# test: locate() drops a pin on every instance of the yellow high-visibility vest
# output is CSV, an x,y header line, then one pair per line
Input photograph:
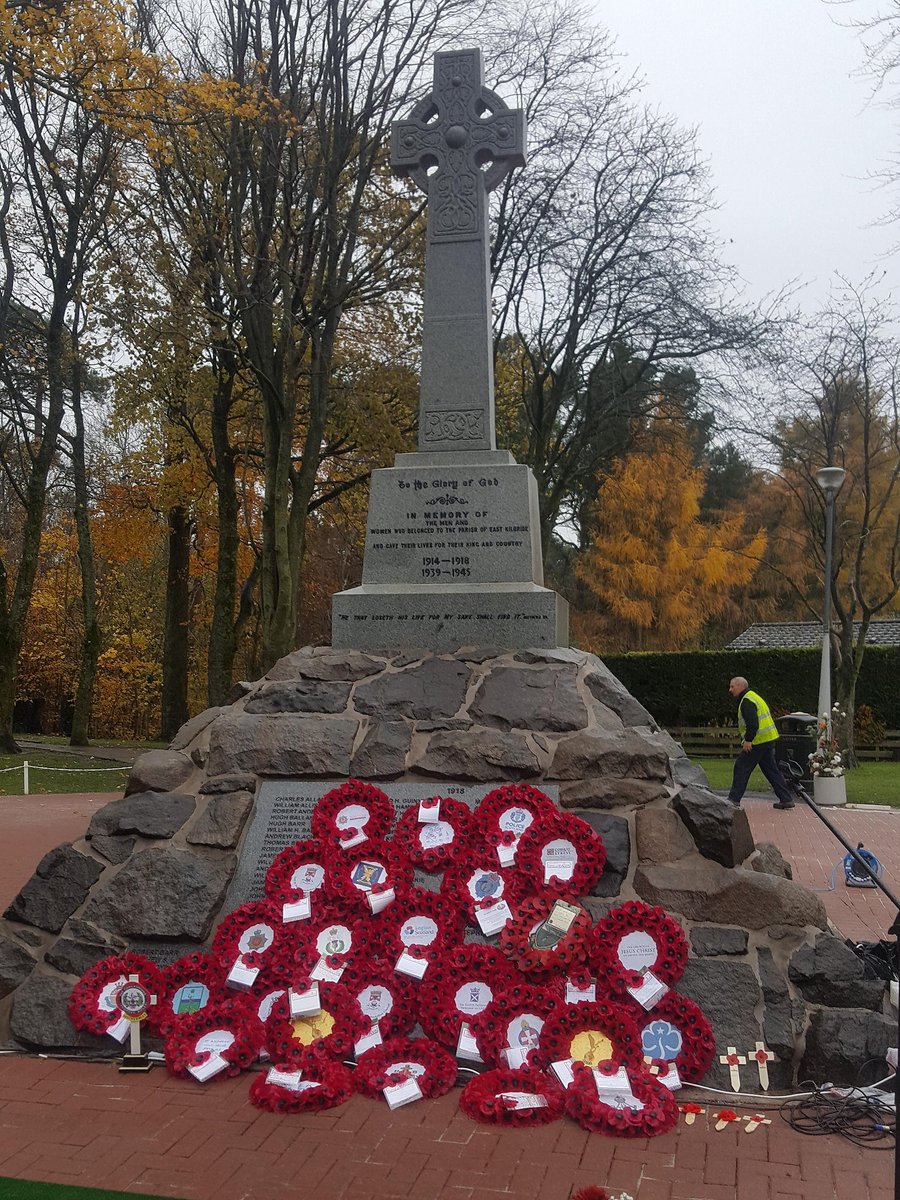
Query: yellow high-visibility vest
x,y
767,731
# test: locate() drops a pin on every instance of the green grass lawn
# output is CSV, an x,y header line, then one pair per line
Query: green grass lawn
x,y
25,1189
871,783
63,778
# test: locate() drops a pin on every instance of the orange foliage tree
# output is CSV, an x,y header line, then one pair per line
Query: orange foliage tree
x,y
654,573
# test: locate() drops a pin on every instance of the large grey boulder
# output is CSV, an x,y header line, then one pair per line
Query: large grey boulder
x,y
58,887
149,814
728,994
16,963
830,973
162,894
435,688
218,785
159,771
627,755
80,947
617,840
720,829
195,726
221,822
702,890
114,849
492,754
301,696
326,664
610,793
40,1019
284,745
383,752
544,699
661,836
847,1046
783,1020
715,940
606,688
771,861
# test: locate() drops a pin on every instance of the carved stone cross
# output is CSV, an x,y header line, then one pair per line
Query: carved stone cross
x,y
458,144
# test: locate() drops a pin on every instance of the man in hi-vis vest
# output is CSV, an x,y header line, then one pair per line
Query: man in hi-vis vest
x,y
758,738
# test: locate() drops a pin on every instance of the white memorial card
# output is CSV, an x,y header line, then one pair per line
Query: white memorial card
x,y
491,918
559,858
213,1066
406,964
650,992
306,1003
612,1083
515,1056
286,1079
577,995
368,1040
378,901
466,1046
242,977
120,1029
326,974
506,855
299,910
671,1079
398,1094
520,1100
563,1071
429,813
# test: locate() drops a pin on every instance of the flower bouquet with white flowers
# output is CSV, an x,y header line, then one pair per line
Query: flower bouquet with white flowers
x,y
828,760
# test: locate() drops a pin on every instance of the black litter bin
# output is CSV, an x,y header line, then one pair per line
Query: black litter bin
x,y
797,740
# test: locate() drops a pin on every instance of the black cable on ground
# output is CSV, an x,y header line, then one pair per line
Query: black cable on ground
x,y
852,1113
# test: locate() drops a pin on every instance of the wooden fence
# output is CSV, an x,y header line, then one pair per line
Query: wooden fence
x,y
708,741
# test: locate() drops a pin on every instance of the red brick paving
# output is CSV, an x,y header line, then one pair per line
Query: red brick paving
x,y
85,1124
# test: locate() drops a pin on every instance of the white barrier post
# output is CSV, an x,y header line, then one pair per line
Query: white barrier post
x,y
25,777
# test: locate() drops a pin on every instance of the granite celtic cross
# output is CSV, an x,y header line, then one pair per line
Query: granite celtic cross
x,y
457,145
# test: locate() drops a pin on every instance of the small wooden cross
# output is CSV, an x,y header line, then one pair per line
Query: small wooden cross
x,y
691,1112
755,1121
733,1061
724,1118
762,1056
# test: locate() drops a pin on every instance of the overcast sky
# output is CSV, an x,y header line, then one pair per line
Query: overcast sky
x,y
784,122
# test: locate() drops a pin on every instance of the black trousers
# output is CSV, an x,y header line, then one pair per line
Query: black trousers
x,y
762,756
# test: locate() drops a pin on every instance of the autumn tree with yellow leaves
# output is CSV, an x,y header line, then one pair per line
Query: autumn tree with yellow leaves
x,y
655,573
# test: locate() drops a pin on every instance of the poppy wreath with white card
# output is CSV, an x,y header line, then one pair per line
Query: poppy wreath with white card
x,y
250,942
299,873
592,1033
521,939
332,941
513,1097
561,857
646,1108
676,1031
188,985
478,883
384,999
308,1085
350,815
398,1059
370,869
436,845
460,987
93,1004
421,924
507,812
331,1032
219,1040
633,940
513,1022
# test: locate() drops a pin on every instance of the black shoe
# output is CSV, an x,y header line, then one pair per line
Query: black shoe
x,y
781,804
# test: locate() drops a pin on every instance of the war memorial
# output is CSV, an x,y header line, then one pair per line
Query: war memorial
x,y
447,840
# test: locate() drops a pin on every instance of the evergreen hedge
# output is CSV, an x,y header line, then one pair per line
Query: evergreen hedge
x,y
691,687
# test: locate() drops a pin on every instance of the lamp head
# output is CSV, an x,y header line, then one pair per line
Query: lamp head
x,y
830,479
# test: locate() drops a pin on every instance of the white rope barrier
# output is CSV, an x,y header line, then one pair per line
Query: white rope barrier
x,y
27,767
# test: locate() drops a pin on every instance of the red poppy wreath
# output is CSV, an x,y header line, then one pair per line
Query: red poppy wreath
x,y
400,1059
188,985
516,1098
642,1108
415,931
369,877
436,845
331,942
507,812
547,935
478,887
298,879
633,945
512,1022
250,940
93,1004
590,1033
384,1000
331,1031
561,857
460,987
221,1039
311,1086
676,1031
349,815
